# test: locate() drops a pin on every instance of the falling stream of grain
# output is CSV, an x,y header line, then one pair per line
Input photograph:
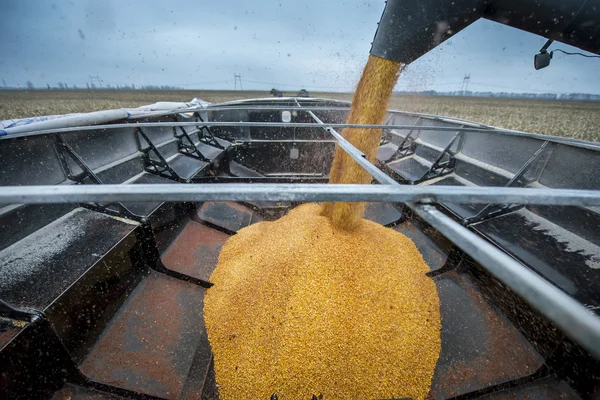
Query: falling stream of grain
x,y
369,106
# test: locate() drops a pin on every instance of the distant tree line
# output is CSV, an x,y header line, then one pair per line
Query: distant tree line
x,y
510,95
89,86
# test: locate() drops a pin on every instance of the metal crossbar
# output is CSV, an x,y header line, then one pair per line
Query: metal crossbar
x,y
243,124
393,193
236,124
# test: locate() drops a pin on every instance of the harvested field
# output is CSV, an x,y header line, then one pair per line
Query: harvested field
x,y
20,103
576,119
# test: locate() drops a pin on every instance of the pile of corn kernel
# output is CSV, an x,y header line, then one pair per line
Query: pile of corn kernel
x,y
300,308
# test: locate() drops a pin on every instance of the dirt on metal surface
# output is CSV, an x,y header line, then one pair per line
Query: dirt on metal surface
x,y
150,344
480,347
41,266
545,389
434,256
382,213
72,392
227,215
9,329
195,251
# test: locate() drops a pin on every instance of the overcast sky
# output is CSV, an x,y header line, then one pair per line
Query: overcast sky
x,y
319,45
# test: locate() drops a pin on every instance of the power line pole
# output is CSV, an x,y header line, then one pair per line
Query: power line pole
x,y
464,87
236,78
97,79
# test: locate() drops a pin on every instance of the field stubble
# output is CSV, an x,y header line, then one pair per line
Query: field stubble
x,y
577,119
